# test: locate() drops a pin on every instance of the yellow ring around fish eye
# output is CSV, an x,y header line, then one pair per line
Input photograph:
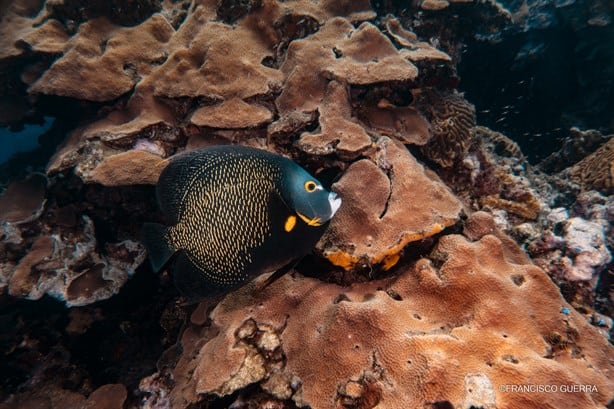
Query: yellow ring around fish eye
x,y
310,186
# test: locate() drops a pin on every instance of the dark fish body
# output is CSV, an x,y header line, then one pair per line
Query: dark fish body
x,y
235,212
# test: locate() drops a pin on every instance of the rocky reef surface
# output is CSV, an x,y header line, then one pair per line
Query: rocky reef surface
x,y
458,267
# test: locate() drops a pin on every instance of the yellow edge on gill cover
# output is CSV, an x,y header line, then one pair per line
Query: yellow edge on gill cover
x,y
389,257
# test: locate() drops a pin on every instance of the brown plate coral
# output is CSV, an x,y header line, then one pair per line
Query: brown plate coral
x,y
464,327
383,208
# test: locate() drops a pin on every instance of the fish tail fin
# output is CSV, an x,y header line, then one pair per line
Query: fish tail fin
x,y
156,242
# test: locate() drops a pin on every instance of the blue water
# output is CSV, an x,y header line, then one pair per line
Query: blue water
x,y
22,141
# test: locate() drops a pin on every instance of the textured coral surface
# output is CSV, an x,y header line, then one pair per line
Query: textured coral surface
x,y
296,74
382,210
106,397
458,328
596,171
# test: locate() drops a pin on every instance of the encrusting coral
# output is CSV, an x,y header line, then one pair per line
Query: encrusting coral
x,y
67,266
102,55
460,327
338,133
412,47
373,227
338,51
132,167
111,396
24,200
452,120
596,171
20,32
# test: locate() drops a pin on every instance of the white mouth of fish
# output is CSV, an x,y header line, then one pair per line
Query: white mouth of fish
x,y
335,202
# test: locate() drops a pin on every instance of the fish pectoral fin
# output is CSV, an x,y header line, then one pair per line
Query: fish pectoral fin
x,y
159,250
290,223
278,274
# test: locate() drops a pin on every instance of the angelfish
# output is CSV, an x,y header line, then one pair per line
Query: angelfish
x,y
234,212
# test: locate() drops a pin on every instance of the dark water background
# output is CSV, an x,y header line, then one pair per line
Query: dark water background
x,y
25,140
553,71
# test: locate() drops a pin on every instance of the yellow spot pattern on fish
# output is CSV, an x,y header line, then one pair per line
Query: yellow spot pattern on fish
x,y
236,222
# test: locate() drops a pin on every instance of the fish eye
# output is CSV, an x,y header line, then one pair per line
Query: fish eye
x,y
310,186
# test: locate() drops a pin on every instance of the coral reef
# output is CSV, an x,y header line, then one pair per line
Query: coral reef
x,y
578,145
514,193
65,265
492,174
48,248
448,326
178,89
452,119
105,397
596,171
373,228
566,231
575,248
299,87
453,269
